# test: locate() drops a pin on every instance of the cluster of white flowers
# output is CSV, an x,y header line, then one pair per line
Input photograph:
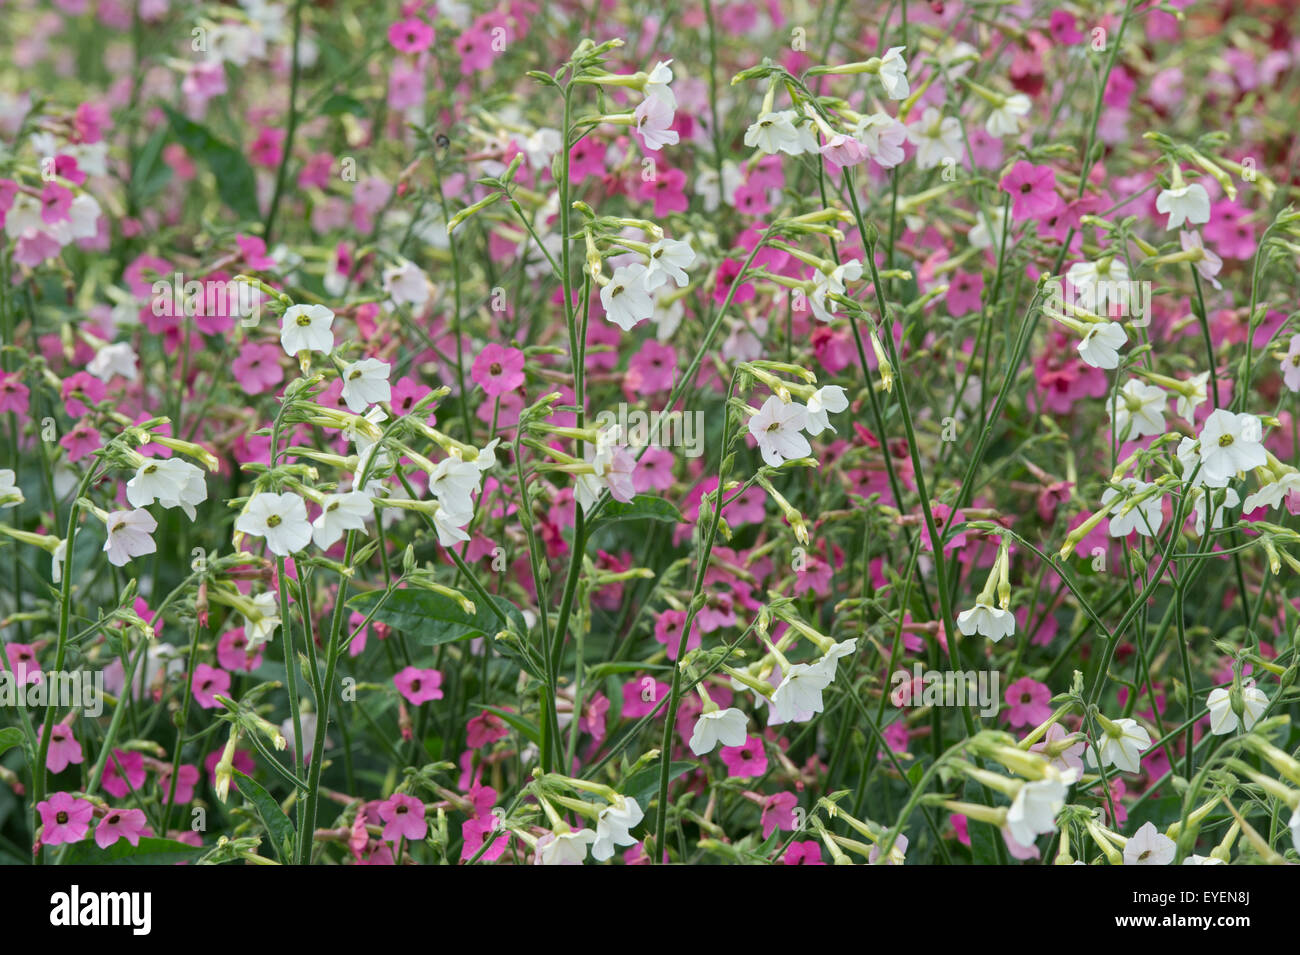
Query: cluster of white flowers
x,y
777,426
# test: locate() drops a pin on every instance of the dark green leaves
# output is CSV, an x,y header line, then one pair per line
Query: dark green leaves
x,y
434,618
235,182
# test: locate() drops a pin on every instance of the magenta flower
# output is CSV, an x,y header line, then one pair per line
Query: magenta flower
x,y
668,631
484,730
186,779
807,852
1028,701
418,686
23,663
64,749
747,760
257,368
475,831
641,695
13,394
403,817
965,292
411,35
208,682
498,369
64,818
1032,190
128,824
82,440
123,773
778,813
232,652
56,200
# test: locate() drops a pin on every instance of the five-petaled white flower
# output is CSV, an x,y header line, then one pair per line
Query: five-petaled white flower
x,y
936,137
1224,719
1144,517
987,621
307,328
1004,120
169,481
1230,443
128,535
777,428
365,383
1139,410
341,512
1124,749
893,73
1186,203
1149,847
775,132
654,120
669,259
564,847
1034,808
626,297
614,825
280,518
728,727
1101,344
827,399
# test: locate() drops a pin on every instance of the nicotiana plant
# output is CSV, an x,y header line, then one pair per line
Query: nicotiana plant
x,y
436,437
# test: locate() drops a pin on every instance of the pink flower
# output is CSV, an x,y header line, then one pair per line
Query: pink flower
x,y
257,368
418,686
23,663
475,831
81,440
668,631
128,824
475,47
965,292
232,652
807,852
641,695
267,148
651,370
208,682
586,158
79,391
64,819
411,35
186,779
403,816
13,394
484,730
746,760
498,369
592,720
56,200
667,190
1028,701
124,773
654,471
64,749
778,813
1032,190
843,150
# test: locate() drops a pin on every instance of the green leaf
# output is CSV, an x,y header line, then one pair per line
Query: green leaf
x,y
435,618
150,851
278,826
643,785
10,737
640,508
151,174
525,728
235,182
340,103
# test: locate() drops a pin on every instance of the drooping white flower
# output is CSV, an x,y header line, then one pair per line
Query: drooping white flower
x,y
564,847
1149,847
340,513
455,482
406,284
260,628
777,428
1098,285
1186,403
1101,344
883,136
614,825
728,727
365,383
1033,811
1004,120
11,495
1187,203
1273,493
800,692
280,518
656,83
1230,499
1223,720
1145,517
827,399
626,297
169,481
128,535
111,360
669,259
450,524
1208,265
1291,365
1230,443
893,73
987,621
307,328
1138,410
1124,750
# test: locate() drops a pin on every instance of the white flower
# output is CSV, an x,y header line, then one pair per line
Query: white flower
x,y
1230,443
307,328
339,513
1005,119
1294,825
261,627
832,283
728,727
936,138
280,518
1273,493
654,117
613,827
829,398
987,232
800,693
1033,811
774,132
669,259
169,481
897,852
111,360
564,848
128,535
1101,344
365,383
1185,405
777,428
1230,499
1148,847
1139,410
450,523
1202,860
656,84
1122,751
1187,203
829,661
11,495
706,184
987,621
1098,285
1145,518
541,147
1291,365
1222,718
626,297
406,284
893,73
454,482
883,136
1209,265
